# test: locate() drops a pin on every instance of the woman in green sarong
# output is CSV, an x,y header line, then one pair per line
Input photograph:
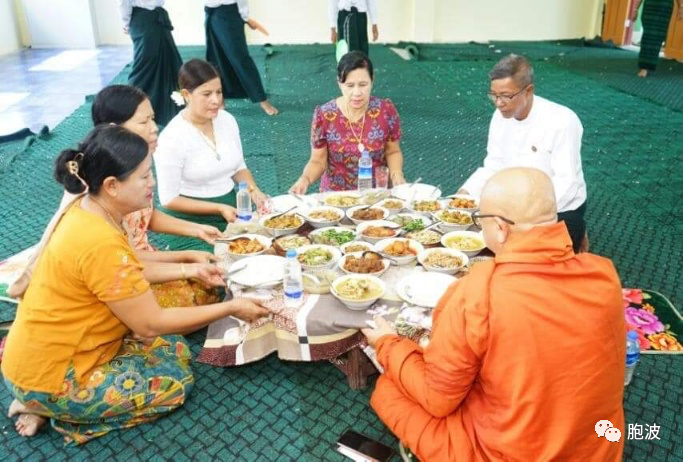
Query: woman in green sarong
x,y
226,49
156,60
656,17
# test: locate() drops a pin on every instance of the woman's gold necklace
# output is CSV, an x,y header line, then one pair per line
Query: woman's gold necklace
x,y
360,145
111,219
206,139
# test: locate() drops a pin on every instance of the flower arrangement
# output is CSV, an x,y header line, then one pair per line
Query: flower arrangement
x,y
641,318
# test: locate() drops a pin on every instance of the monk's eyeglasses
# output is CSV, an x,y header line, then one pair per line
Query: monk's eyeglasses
x,y
504,98
476,217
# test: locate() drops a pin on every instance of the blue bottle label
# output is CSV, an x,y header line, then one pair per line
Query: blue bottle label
x,y
632,359
365,172
294,295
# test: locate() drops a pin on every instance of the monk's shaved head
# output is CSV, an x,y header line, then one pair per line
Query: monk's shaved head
x,y
523,195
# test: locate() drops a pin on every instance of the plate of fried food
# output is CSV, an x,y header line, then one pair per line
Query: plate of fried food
x,y
375,231
400,251
463,202
448,261
244,245
426,207
280,225
367,262
363,213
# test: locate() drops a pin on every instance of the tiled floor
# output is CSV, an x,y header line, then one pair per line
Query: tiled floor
x,y
43,86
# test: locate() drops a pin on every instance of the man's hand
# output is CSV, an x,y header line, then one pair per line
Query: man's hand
x,y
209,275
207,233
383,328
333,35
375,32
249,310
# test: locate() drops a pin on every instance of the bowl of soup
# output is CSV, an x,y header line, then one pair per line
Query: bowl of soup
x,y
468,242
358,291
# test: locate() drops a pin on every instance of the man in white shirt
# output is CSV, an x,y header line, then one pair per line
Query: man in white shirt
x,y
349,21
529,131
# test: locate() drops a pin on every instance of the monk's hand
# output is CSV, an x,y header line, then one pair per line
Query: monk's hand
x,y
198,256
207,233
383,328
208,274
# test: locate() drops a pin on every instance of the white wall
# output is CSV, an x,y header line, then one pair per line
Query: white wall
x,y
9,32
60,23
305,21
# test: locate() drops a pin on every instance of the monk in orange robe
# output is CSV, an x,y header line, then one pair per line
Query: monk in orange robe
x,y
527,352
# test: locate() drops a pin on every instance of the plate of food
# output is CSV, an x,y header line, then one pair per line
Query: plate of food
x,y
322,216
342,200
424,289
393,204
280,225
242,246
426,207
468,242
426,237
334,235
264,271
411,221
358,291
463,202
362,213
416,191
454,220
375,231
448,261
368,262
356,246
316,256
399,250
291,241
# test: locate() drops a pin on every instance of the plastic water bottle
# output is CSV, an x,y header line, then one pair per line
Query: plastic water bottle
x,y
364,172
632,355
294,285
243,203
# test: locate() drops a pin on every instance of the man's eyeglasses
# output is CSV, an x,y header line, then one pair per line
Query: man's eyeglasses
x,y
504,98
476,217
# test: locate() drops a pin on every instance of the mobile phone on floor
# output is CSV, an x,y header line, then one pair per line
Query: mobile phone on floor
x,y
362,448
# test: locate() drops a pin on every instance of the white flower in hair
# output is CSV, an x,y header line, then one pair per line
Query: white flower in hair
x,y
177,98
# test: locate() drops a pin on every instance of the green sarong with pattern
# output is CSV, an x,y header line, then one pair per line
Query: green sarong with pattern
x,y
214,220
156,60
656,18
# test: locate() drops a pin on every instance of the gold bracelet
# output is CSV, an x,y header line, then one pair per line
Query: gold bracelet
x,y
182,270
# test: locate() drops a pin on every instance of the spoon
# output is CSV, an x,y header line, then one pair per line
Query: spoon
x,y
282,213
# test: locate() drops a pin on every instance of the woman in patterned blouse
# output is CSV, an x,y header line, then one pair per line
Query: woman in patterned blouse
x,y
347,125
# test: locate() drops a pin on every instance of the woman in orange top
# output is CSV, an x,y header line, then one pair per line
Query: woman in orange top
x,y
68,355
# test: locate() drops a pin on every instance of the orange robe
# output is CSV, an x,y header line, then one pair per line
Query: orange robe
x,y
527,354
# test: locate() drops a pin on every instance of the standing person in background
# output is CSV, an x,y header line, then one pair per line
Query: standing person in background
x,y
226,48
156,60
349,21
656,18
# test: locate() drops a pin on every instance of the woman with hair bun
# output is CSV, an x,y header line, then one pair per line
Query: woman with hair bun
x,y
349,124
68,355
199,159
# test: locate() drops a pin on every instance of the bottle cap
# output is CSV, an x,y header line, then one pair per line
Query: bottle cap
x,y
632,335
242,185
291,253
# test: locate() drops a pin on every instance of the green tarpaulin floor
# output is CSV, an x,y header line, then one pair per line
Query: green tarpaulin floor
x,y
272,410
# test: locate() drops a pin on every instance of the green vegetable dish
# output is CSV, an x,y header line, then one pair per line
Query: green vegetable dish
x,y
333,237
409,223
315,257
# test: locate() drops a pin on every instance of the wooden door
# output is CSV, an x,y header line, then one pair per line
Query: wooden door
x,y
674,39
616,23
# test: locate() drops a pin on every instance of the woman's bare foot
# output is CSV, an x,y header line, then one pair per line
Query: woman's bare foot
x,y
642,73
27,424
268,108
